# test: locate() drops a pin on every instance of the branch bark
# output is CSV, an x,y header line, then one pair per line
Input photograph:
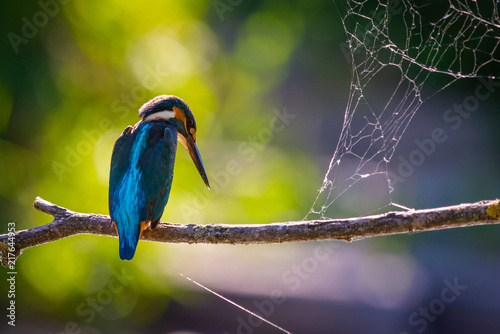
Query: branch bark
x,y
67,223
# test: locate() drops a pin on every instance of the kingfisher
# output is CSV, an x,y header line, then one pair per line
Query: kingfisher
x,y
142,167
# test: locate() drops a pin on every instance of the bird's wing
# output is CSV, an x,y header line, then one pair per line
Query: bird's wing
x,y
119,163
157,165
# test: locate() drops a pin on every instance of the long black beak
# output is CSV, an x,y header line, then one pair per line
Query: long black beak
x,y
195,155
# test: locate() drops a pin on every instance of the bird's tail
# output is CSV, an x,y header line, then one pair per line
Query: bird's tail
x,y
129,237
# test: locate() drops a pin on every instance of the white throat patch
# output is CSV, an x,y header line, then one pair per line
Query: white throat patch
x,y
164,115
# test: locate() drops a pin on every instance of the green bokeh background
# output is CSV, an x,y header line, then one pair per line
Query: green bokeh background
x,y
71,89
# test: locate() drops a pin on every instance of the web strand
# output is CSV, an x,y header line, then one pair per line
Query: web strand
x,y
234,304
402,53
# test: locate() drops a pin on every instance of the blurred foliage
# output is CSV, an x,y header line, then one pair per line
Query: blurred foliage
x,y
72,88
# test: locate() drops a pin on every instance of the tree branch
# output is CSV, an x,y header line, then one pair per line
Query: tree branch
x,y
67,223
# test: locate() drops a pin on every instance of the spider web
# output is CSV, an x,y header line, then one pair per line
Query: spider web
x,y
420,47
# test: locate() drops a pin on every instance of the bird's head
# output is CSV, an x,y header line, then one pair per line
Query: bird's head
x,y
169,107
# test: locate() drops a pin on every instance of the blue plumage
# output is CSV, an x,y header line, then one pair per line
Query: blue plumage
x,y
140,183
142,167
